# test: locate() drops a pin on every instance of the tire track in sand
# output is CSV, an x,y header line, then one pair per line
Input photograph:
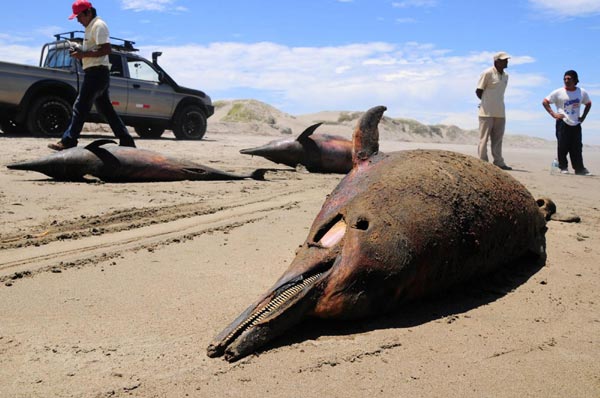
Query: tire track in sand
x,y
182,224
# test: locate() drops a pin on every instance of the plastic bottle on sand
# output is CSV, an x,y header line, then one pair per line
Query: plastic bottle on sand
x,y
554,167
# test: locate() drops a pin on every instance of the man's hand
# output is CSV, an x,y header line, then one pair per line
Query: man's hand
x,y
77,54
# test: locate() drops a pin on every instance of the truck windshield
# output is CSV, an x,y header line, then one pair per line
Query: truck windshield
x,y
58,58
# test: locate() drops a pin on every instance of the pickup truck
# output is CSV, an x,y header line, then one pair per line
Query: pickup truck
x,y
39,99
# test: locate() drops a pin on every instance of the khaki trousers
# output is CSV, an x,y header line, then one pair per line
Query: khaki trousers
x,y
491,128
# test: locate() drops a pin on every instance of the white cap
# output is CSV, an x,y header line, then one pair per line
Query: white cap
x,y
501,55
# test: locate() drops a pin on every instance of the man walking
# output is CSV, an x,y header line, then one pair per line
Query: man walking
x,y
94,88
492,120
568,101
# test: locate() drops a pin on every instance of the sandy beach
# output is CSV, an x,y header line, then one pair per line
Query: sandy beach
x,y
114,290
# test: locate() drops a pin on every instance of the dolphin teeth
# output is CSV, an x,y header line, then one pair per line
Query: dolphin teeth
x,y
261,313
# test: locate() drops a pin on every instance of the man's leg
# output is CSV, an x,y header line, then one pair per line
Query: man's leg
x,y
562,139
485,127
576,148
496,136
81,109
104,107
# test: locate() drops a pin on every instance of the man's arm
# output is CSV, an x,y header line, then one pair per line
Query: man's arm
x,y
102,50
548,108
479,93
587,108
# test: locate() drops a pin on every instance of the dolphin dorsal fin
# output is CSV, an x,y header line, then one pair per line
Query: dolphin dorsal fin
x,y
98,143
365,139
308,132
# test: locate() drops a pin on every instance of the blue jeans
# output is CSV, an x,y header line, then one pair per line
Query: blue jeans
x,y
94,90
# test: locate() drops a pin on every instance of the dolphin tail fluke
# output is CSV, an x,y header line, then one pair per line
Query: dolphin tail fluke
x,y
548,209
259,174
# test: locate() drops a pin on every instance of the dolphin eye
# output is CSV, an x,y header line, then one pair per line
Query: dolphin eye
x,y
333,235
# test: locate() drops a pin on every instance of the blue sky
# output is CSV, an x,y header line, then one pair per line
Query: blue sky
x,y
420,58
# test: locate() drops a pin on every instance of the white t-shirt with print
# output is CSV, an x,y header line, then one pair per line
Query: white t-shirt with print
x,y
569,103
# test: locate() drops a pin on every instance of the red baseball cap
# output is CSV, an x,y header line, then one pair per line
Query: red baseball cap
x,y
80,6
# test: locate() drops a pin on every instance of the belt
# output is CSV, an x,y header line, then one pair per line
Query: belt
x,y
93,68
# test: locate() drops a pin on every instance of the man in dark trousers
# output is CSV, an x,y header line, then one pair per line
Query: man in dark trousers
x,y
568,101
94,88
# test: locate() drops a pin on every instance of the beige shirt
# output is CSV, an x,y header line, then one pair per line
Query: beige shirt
x,y
96,33
493,85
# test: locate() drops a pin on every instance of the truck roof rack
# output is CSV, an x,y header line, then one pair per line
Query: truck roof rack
x,y
126,46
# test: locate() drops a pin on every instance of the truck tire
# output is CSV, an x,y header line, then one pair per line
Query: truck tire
x,y
190,123
49,115
149,132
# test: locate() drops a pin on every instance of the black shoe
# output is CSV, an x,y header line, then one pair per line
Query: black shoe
x,y
583,172
59,146
505,167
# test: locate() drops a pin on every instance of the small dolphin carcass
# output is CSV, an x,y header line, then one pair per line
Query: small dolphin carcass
x,y
398,227
321,153
114,163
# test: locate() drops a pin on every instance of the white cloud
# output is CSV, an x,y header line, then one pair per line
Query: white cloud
x,y
13,51
49,31
151,5
414,80
592,89
414,3
568,8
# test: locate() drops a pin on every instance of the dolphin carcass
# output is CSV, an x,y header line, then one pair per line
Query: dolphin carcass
x,y
398,227
322,153
114,163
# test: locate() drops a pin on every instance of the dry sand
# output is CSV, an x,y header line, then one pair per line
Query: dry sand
x,y
111,290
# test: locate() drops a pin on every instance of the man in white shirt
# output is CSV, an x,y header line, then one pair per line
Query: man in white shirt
x,y
94,88
568,101
492,119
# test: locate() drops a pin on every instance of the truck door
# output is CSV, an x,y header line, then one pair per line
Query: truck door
x,y
147,96
118,84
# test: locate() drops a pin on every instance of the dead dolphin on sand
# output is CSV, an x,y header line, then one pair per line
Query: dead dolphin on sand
x,y
114,163
398,227
320,153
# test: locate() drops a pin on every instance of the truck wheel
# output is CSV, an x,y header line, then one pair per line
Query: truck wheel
x,y
49,115
149,132
190,123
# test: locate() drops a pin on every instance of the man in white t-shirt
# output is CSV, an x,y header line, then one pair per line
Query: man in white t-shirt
x,y
492,119
568,101
94,88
